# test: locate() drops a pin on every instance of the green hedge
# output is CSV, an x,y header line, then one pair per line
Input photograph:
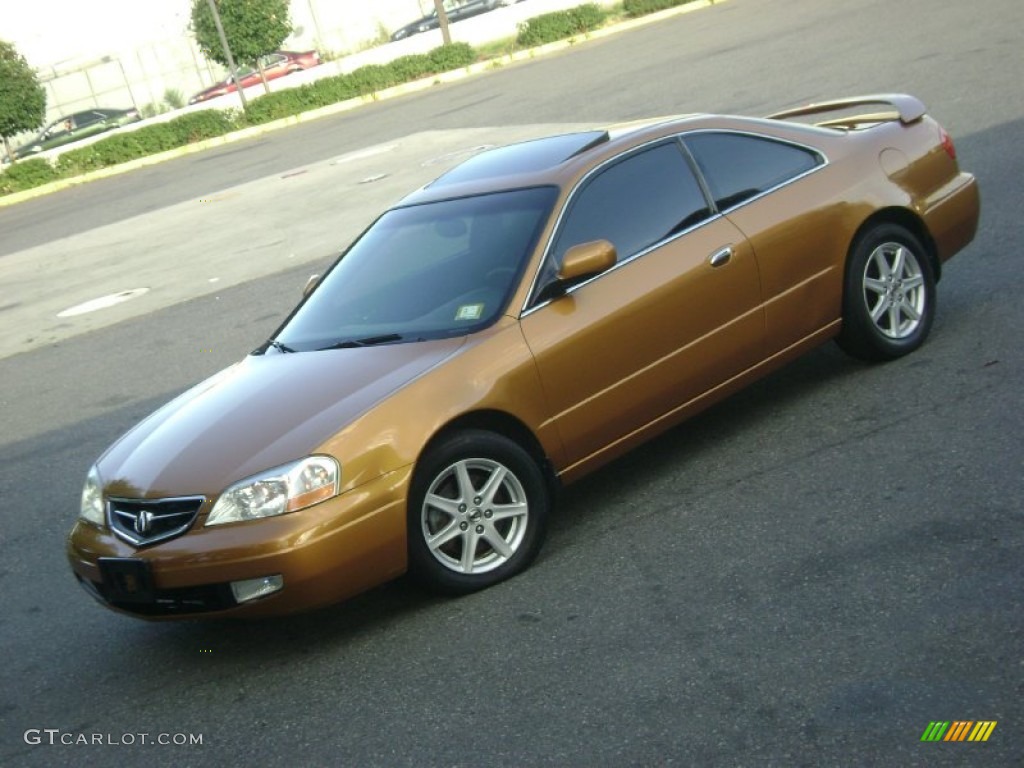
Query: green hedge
x,y
361,82
634,8
148,140
207,124
559,25
26,174
197,126
450,57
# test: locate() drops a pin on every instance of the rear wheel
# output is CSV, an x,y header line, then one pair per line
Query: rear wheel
x,y
477,512
889,295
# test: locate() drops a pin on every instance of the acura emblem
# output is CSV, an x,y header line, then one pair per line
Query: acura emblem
x,y
144,522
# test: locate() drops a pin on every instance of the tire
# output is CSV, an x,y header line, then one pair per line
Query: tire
x,y
477,513
889,295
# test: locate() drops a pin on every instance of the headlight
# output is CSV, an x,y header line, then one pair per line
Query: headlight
x,y
277,491
92,499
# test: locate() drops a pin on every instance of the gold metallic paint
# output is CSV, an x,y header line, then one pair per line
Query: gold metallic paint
x,y
621,357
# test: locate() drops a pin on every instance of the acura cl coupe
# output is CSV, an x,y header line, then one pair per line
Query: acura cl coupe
x,y
517,323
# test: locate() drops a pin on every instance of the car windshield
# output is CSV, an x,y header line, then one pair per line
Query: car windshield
x,y
425,271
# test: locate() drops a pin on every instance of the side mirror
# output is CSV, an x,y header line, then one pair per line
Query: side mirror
x,y
310,285
586,260
580,262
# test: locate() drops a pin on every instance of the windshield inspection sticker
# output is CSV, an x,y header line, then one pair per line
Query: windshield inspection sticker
x,y
470,312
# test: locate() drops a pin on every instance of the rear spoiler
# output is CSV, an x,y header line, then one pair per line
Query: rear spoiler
x,y
908,109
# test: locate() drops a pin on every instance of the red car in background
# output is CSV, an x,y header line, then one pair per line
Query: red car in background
x,y
277,64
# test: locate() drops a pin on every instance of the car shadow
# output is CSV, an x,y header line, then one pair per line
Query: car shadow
x,y
739,417
581,507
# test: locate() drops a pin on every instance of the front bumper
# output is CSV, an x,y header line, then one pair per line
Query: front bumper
x,y
324,554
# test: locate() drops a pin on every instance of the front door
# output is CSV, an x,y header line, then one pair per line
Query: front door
x,y
679,314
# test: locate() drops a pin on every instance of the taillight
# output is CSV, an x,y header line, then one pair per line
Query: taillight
x,y
947,143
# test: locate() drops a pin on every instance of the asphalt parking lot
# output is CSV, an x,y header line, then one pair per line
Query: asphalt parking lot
x,y
808,574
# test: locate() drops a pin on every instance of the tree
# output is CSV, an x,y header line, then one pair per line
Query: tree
x,y
253,28
22,98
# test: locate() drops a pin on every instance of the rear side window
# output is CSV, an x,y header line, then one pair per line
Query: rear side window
x,y
738,167
83,119
635,203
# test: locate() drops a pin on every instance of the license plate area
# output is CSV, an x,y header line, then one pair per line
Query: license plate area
x,y
127,579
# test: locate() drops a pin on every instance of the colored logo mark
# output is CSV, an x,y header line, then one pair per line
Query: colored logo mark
x,y
958,730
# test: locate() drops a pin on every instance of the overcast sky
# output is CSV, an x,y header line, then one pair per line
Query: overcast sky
x,y
47,32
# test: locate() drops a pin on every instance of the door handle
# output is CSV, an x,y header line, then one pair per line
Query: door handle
x,y
721,256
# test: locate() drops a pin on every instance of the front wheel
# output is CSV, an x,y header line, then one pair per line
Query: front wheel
x,y
889,295
477,512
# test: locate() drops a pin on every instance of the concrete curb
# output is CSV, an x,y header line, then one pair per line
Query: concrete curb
x,y
414,86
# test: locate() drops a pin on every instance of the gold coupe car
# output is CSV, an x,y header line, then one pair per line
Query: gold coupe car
x,y
521,321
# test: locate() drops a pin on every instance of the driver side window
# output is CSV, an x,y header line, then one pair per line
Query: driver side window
x,y
636,203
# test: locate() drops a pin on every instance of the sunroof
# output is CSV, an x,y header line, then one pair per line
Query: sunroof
x,y
525,157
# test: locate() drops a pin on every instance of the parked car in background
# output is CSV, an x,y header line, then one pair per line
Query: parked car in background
x,y
275,65
512,326
455,10
75,127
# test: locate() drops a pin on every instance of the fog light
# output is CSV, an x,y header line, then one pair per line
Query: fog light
x,y
250,589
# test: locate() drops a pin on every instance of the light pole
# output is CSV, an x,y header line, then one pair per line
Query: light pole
x,y
316,25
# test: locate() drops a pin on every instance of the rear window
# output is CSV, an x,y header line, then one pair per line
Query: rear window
x,y
738,167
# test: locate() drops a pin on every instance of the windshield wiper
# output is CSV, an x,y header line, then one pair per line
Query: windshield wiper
x,y
262,349
367,342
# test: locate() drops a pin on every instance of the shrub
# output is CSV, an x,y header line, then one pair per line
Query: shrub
x,y
152,109
196,126
361,82
78,161
331,90
274,106
559,25
27,174
210,123
148,140
412,67
174,98
372,78
450,57
155,138
634,8
119,148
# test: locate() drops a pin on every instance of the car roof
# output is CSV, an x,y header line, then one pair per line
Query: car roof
x,y
527,157
559,160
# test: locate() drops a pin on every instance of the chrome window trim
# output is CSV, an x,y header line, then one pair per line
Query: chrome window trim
x,y
687,156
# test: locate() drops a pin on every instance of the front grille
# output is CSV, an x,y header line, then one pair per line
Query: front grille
x,y
147,521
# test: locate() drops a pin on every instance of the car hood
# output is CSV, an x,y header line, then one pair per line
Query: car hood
x,y
260,413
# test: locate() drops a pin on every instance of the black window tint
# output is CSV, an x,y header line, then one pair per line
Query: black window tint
x,y
82,119
738,167
635,203
425,271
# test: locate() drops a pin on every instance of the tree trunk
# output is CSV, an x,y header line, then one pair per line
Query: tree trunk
x,y
263,75
442,17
